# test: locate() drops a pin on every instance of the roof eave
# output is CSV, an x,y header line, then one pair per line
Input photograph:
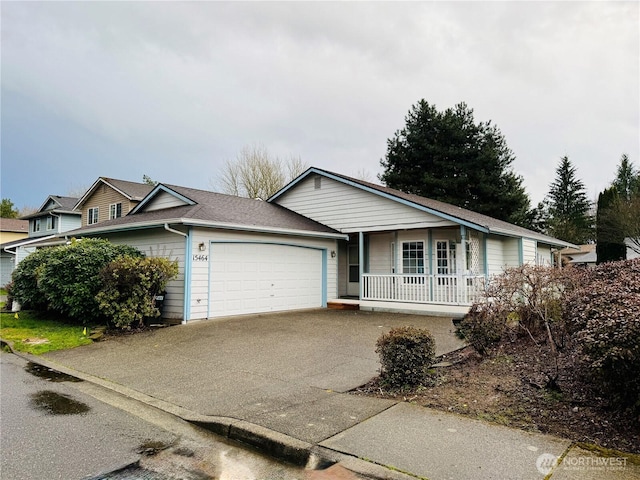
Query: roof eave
x,y
205,224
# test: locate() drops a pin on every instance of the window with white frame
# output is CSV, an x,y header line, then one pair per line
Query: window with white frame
x,y
115,210
445,257
51,222
36,225
92,215
413,257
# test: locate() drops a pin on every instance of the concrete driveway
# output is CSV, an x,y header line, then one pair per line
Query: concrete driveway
x,y
283,371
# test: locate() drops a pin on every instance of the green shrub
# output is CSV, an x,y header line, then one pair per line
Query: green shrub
x,y
26,289
605,316
406,353
66,278
129,287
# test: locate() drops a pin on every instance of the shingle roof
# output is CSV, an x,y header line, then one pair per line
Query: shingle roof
x,y
492,224
134,190
213,209
14,225
66,203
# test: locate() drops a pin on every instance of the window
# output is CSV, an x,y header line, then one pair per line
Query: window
x,y
115,210
51,222
36,225
445,257
92,216
413,257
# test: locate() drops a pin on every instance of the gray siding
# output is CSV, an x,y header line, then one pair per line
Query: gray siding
x,y
349,209
163,200
160,243
69,222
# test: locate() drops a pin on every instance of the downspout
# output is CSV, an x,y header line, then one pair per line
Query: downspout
x,y
187,269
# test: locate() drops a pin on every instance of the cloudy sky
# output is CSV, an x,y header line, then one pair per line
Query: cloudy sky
x,y
174,89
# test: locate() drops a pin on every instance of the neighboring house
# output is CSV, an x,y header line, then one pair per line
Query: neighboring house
x,y
55,216
12,231
109,198
322,237
407,252
579,255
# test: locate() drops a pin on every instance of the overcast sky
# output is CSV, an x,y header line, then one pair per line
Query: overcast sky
x,y
174,89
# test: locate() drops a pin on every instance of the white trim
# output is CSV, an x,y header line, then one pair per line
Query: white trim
x,y
157,189
116,210
203,223
90,216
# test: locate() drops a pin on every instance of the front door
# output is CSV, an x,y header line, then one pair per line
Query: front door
x,y
353,271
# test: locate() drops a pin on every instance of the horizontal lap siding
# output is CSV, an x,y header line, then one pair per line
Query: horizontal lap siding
x,y
200,281
103,197
495,256
348,208
380,261
163,200
69,222
160,243
529,251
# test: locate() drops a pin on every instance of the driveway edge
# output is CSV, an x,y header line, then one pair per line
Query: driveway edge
x,y
270,442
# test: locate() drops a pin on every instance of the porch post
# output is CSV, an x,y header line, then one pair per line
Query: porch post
x,y
430,253
361,261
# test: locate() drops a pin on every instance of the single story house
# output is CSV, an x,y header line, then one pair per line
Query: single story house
x,y
323,238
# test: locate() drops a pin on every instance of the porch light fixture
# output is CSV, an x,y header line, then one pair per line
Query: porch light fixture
x,y
333,254
202,247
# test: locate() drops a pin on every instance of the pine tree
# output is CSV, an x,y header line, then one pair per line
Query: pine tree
x,y
447,156
569,209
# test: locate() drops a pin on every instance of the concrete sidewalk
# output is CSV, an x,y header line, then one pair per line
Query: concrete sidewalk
x,y
280,382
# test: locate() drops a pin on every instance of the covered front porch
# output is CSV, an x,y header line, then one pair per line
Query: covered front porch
x,y
434,270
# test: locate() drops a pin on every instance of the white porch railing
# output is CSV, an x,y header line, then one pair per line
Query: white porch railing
x,y
443,289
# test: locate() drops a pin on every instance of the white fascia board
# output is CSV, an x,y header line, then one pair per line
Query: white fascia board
x,y
159,188
254,228
28,241
204,224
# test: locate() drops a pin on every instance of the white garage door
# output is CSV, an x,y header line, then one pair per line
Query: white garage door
x,y
256,278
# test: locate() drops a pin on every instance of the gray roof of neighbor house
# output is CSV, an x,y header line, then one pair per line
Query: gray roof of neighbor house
x,y
14,225
66,205
132,190
483,222
210,209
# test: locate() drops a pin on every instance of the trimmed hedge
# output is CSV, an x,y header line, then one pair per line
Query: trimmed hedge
x,y
406,353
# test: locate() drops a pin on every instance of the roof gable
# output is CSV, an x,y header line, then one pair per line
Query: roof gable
x,y
57,202
131,190
443,210
161,197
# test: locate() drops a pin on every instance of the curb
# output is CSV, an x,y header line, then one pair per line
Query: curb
x,y
273,443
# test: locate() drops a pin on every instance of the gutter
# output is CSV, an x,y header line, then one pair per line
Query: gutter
x,y
172,230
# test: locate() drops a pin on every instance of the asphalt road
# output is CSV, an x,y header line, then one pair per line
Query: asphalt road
x,y
49,429
53,427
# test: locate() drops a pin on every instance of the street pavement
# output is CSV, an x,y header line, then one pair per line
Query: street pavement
x,y
281,382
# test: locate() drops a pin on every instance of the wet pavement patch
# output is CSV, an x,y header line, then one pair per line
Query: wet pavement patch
x,y
133,472
55,403
48,374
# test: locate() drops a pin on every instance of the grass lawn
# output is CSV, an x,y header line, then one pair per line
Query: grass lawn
x,y
37,334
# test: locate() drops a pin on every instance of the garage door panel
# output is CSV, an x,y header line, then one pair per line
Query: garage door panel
x,y
254,278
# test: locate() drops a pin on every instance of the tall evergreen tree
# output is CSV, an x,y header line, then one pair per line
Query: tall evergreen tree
x,y
627,181
447,156
610,244
569,208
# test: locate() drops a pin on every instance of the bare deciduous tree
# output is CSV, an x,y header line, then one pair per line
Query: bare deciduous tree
x,y
256,174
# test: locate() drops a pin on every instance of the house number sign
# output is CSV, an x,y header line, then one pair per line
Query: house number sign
x,y
199,257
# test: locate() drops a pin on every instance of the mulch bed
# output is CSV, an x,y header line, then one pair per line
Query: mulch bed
x,y
509,386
